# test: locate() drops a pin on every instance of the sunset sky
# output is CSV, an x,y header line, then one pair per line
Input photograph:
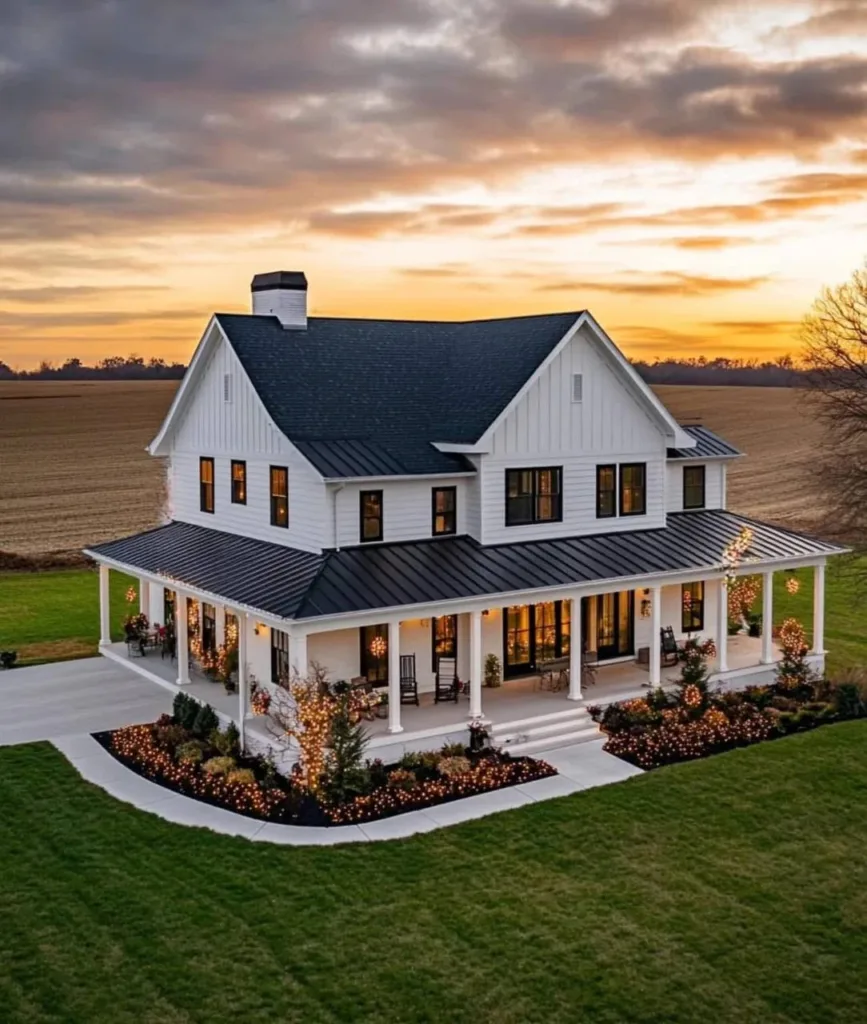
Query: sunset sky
x,y
692,171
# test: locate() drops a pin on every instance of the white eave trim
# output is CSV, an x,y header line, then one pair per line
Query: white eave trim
x,y
386,477
703,458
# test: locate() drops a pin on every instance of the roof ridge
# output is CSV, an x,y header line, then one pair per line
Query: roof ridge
x,y
424,321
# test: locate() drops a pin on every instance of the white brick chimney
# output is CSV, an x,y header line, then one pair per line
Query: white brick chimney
x,y
282,293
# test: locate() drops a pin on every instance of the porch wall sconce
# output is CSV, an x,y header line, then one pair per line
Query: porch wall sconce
x,y
424,623
486,613
259,628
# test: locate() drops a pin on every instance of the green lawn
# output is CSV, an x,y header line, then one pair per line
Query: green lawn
x,y
731,889
47,616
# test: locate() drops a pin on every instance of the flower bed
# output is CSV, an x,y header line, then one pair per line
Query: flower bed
x,y
188,753
692,721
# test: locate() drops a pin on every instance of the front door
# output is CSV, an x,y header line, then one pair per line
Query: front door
x,y
614,617
534,634
517,642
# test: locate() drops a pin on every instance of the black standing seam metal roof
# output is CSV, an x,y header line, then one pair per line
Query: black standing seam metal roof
x,y
296,584
369,397
708,445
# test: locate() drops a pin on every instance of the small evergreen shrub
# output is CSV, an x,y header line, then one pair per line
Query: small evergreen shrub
x,y
184,710
243,776
226,741
453,750
190,752
206,721
218,766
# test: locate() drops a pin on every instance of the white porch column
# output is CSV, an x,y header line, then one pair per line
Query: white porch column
x,y
819,609
104,607
576,650
767,618
722,627
475,664
144,596
220,624
298,663
655,636
243,686
394,677
183,638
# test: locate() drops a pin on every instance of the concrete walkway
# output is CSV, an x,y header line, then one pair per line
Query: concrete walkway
x,y
582,766
90,695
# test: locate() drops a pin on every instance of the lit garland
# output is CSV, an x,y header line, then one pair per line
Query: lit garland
x,y
793,585
378,646
131,595
742,594
734,552
260,700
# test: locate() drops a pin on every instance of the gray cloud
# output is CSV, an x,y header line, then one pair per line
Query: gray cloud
x,y
665,284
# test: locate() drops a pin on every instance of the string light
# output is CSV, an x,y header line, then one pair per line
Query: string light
x,y
131,595
378,646
793,585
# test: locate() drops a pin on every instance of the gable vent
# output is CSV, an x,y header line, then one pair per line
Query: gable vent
x,y
227,388
577,387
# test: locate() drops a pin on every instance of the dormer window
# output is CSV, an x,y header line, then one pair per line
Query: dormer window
x,y
534,496
693,486
206,484
370,516
444,511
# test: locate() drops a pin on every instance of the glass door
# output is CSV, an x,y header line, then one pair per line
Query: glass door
x,y
516,641
614,618
545,632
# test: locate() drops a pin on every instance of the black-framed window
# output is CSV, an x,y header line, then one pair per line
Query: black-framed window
x,y
374,654
279,657
169,600
369,516
279,496
606,492
534,495
206,484
633,488
692,603
209,627
444,517
239,482
444,638
693,486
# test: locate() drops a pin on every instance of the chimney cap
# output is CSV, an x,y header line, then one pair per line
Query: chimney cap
x,y
288,280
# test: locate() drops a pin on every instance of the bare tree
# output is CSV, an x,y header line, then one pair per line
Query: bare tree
x,y
835,339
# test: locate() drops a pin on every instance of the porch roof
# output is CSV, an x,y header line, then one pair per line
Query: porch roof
x,y
288,583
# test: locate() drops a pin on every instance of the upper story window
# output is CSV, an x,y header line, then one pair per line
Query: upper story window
x,y
370,516
209,627
692,603
239,482
534,496
279,496
633,489
606,492
206,484
279,657
693,486
445,503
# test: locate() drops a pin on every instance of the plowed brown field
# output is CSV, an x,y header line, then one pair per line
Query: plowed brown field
x,y
74,470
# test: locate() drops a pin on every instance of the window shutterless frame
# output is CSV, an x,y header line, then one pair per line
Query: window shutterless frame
x,y
534,495
279,496
444,505
606,491
239,482
694,486
206,484
633,488
370,516
692,605
444,638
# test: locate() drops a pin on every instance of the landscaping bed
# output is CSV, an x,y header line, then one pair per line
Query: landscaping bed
x,y
188,752
692,721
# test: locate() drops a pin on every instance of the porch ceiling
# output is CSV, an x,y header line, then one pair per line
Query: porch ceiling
x,y
289,583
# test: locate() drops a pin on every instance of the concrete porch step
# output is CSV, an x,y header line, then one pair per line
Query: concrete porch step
x,y
532,731
585,734
574,713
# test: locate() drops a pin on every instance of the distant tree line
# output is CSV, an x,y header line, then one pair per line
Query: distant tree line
x,y
779,373
112,368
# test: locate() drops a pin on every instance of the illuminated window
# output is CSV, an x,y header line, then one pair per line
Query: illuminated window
x,y
444,511
239,482
534,496
370,515
206,484
279,496
633,497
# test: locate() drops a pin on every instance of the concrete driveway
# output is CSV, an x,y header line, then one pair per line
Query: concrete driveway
x,y
69,697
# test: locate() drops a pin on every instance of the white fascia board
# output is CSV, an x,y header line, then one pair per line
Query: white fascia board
x,y
703,458
461,449
387,477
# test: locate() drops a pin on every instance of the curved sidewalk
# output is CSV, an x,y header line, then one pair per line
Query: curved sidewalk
x,y
582,766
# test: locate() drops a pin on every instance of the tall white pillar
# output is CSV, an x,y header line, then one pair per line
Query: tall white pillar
x,y
104,607
220,624
655,636
819,609
183,638
298,664
394,677
722,627
576,650
475,664
768,618
243,685
144,597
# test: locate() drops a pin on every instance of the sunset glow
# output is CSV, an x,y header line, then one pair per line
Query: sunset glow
x,y
692,171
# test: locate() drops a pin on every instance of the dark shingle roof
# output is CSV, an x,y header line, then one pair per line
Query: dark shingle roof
x,y
288,583
389,387
708,445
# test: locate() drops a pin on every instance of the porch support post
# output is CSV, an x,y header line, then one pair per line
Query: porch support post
x,y
243,688
183,638
104,607
394,678
767,618
722,627
655,636
298,665
144,597
475,664
576,650
220,624
819,609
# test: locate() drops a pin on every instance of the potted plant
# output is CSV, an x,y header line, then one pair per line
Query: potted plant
x,y
381,709
493,676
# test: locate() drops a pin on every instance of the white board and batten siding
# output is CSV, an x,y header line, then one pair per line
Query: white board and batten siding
x,y
548,427
240,428
714,484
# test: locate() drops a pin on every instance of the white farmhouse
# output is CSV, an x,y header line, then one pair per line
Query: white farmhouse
x,y
399,500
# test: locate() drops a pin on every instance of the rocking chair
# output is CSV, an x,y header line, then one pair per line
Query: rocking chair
x,y
446,685
408,681
668,646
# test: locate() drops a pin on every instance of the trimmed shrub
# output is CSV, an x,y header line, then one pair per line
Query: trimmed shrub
x,y
450,766
170,736
243,776
184,710
453,750
218,766
226,741
190,752
206,721
401,779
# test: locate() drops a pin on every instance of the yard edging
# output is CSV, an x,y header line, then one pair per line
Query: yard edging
x,y
97,766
